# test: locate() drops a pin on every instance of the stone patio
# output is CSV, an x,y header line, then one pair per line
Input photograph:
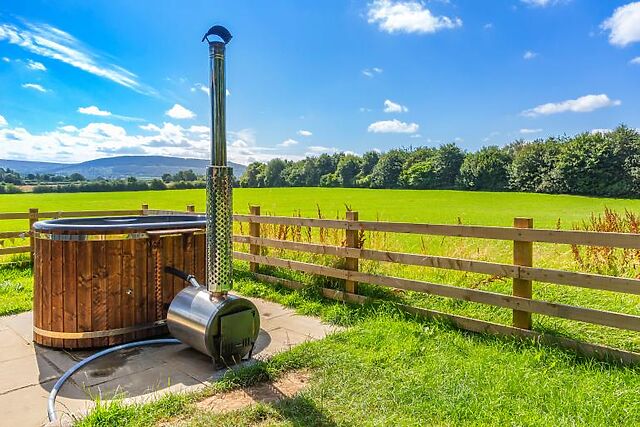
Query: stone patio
x,y
28,371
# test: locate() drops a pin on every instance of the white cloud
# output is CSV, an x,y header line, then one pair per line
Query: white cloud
x,y
179,112
51,42
303,132
365,110
93,111
635,60
318,149
69,128
371,72
34,86
288,143
96,111
584,104
540,3
529,55
408,17
392,107
488,26
6,59
3,121
35,65
624,25
529,131
393,126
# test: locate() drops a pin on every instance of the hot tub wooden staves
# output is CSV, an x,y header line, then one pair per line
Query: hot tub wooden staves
x,y
101,289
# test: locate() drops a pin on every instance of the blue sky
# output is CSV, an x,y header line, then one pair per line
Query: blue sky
x,y
81,80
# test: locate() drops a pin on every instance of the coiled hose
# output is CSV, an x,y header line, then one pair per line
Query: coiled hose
x,y
51,403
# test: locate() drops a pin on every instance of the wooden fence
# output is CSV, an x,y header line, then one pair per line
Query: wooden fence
x,y
521,270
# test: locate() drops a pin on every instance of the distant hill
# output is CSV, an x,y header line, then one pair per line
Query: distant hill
x,y
118,167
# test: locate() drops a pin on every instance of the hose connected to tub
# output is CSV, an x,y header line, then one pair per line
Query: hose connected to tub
x,y
51,403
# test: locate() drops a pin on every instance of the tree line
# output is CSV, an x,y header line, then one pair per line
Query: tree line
x,y
590,163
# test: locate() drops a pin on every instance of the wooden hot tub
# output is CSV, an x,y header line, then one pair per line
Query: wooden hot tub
x,y
101,281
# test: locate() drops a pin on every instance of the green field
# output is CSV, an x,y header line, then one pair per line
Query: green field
x,y
436,206
447,207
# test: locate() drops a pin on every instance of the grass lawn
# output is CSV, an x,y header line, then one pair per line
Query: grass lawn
x,y
390,369
548,211
16,289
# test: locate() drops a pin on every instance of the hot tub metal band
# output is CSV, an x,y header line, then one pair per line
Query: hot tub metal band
x,y
98,334
103,237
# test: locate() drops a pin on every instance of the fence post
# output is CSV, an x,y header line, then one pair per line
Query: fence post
x,y
351,241
191,208
33,218
522,255
144,208
254,231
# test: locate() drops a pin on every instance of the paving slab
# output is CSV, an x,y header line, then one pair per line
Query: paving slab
x,y
28,371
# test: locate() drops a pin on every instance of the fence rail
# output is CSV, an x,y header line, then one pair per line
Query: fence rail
x,y
521,270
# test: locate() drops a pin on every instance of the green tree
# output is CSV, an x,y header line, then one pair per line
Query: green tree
x,y
330,180
348,168
486,169
253,176
386,173
600,164
273,173
533,167
294,174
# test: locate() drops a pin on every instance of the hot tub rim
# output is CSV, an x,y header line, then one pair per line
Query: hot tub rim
x,y
101,225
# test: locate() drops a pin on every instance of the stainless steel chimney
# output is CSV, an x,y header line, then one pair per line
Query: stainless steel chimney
x,y
219,175
207,318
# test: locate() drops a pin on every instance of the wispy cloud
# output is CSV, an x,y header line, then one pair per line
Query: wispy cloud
x,y
3,121
540,3
371,72
288,143
179,112
529,55
51,42
35,65
92,110
526,131
635,60
408,17
584,104
624,25
393,126
6,59
392,107
34,86
318,149
303,132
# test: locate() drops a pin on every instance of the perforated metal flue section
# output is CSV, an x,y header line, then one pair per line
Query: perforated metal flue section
x,y
219,228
